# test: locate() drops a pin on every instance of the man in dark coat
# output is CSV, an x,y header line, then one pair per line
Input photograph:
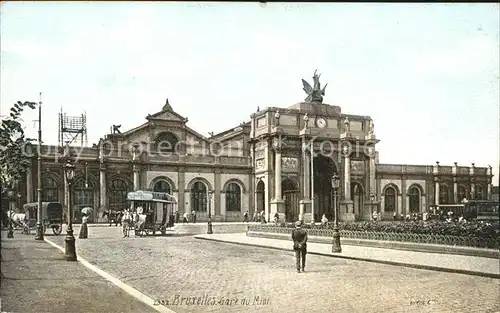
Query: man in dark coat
x,y
299,237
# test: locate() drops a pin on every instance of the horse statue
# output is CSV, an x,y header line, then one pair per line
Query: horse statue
x,y
139,221
19,219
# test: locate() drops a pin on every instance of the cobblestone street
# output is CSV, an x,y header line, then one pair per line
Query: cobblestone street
x,y
220,276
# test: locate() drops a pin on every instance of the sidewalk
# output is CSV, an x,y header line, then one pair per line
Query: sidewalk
x,y
37,279
479,266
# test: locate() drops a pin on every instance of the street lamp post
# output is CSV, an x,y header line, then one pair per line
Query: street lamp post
x,y
209,228
39,223
336,248
10,234
70,248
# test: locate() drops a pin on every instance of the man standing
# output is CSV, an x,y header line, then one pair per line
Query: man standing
x,y
299,237
245,217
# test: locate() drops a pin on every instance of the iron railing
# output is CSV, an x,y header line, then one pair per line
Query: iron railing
x,y
478,242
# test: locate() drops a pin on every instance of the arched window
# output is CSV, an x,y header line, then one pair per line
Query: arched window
x,y
161,186
414,199
233,197
462,194
444,194
166,142
199,197
260,190
390,199
50,190
83,196
479,192
118,194
357,197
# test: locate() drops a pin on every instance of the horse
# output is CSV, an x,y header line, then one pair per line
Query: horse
x,y
126,221
117,219
139,223
19,219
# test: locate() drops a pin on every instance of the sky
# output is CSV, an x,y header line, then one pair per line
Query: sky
x,y
428,74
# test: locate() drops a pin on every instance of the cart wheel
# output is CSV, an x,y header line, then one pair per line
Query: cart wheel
x,y
57,230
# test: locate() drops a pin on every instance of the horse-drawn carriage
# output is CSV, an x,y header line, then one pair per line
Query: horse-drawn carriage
x,y
52,215
151,211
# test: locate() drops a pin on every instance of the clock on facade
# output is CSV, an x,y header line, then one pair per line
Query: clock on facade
x,y
321,122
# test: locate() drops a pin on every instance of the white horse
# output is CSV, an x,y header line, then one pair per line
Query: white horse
x,y
127,220
19,219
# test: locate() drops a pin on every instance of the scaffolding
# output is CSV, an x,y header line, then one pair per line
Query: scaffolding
x,y
72,129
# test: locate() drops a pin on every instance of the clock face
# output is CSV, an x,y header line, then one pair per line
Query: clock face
x,y
321,122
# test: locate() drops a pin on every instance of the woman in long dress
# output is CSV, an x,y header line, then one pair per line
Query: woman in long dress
x,y
84,231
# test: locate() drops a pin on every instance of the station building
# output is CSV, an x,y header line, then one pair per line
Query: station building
x,y
264,164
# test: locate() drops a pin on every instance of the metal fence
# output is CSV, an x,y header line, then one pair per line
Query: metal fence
x,y
478,242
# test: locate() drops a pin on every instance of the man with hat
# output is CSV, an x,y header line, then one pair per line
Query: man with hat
x,y
299,237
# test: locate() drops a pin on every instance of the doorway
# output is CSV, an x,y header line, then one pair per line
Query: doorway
x,y
260,190
291,194
324,168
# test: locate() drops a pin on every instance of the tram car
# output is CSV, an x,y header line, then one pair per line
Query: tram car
x,y
52,215
152,211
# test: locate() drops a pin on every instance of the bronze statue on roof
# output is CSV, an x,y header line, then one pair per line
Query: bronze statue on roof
x,y
314,94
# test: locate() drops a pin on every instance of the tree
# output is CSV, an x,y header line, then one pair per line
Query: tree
x,y
13,158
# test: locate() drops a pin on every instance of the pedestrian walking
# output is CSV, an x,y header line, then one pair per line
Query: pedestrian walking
x,y
177,216
245,217
255,216
185,218
276,218
324,220
299,237
263,217
84,231
193,216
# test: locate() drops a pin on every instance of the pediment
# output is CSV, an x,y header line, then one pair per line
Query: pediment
x,y
168,116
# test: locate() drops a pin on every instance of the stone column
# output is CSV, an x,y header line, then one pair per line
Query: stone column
x,y
218,216
436,194
472,182
373,168
305,203
490,178
347,177
136,177
435,172
181,205
277,204
347,205
29,184
102,187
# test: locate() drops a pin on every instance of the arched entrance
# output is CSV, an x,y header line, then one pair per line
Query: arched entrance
x,y
260,190
324,169
291,194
